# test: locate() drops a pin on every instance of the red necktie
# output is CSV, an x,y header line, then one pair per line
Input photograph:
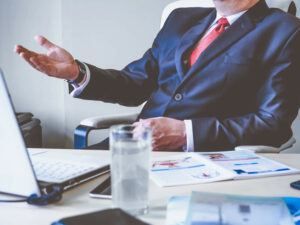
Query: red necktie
x,y
208,39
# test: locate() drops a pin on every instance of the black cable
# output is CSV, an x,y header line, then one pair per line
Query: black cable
x,y
54,195
13,201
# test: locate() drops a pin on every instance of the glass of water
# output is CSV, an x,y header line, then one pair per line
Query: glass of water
x,y
130,167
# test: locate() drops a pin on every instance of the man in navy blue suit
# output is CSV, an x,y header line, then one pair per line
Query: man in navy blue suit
x,y
215,78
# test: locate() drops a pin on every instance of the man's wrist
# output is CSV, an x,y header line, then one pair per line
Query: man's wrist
x,y
78,88
80,72
74,71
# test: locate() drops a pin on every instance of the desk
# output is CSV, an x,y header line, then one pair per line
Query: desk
x,y
77,200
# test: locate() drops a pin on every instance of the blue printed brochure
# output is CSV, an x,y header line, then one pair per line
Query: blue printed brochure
x,y
196,168
219,209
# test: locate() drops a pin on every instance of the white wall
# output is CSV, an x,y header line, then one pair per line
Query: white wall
x,y
107,33
20,20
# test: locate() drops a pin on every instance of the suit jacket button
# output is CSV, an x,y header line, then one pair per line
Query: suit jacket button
x,y
178,97
185,62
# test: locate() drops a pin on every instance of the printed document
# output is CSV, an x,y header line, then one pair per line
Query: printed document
x,y
189,168
196,168
246,164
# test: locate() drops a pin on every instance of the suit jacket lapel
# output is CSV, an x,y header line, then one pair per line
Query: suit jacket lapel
x,y
189,39
235,32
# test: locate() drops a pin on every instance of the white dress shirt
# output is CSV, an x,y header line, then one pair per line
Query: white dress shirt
x,y
78,89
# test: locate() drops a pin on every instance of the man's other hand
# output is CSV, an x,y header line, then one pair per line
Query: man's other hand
x,y
57,62
167,133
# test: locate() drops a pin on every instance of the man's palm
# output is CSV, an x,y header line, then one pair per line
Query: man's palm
x,y
56,62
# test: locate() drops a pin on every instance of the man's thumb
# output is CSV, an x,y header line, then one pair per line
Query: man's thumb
x,y
44,42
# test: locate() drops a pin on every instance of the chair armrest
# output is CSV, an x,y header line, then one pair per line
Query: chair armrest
x,y
267,149
94,123
258,148
108,121
288,144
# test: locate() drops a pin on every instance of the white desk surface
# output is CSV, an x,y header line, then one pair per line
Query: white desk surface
x,y
77,200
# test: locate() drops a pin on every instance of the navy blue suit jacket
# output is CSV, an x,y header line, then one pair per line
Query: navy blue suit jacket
x,y
243,90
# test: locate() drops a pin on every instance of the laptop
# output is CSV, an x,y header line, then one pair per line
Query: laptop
x,y
24,172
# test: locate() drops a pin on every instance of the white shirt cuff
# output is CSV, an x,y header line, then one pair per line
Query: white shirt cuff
x,y
189,136
78,89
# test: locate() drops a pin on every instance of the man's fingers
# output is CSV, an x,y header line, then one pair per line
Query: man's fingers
x,y
27,59
44,42
20,49
26,56
37,61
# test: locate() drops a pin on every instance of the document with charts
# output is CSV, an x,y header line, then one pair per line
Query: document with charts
x,y
246,164
188,168
196,168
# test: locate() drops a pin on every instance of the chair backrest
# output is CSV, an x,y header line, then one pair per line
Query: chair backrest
x,y
285,5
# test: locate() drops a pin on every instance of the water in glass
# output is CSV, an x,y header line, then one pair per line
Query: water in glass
x,y
130,167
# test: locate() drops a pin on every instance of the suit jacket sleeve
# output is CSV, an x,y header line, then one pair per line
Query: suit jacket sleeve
x,y
277,107
131,86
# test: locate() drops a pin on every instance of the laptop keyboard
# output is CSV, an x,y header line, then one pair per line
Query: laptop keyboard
x,y
59,171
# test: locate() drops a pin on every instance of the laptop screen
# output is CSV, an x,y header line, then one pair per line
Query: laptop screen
x,y
16,172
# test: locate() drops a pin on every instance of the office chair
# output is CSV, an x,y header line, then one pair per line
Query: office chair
x,y
95,123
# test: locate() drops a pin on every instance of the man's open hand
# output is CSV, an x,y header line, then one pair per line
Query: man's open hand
x,y
167,133
57,62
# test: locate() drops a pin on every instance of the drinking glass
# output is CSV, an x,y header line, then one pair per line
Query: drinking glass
x,y
130,167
